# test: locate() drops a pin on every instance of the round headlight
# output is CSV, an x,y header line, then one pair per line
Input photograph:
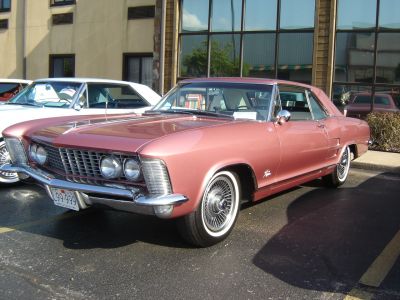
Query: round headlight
x,y
110,167
132,169
41,155
32,151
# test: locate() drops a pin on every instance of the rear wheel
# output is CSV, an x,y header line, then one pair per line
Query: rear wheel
x,y
6,177
339,175
217,213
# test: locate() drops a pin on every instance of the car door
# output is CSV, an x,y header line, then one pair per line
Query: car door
x,y
303,139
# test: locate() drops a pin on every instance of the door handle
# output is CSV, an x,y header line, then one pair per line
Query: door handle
x,y
321,125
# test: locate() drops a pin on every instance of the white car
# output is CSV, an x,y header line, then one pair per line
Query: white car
x,y
55,97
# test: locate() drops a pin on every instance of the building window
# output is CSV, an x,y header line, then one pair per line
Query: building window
x,y
4,24
257,38
61,2
367,54
61,19
62,65
138,68
5,5
141,12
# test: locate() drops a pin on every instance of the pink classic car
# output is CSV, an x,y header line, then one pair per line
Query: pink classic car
x,y
206,147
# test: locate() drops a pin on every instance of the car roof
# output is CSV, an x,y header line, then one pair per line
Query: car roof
x,y
4,80
246,80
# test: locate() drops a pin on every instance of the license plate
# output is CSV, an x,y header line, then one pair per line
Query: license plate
x,y
65,198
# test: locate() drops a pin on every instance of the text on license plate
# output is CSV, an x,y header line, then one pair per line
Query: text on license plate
x,y
65,198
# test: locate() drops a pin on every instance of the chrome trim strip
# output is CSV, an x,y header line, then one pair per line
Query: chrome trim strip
x,y
134,195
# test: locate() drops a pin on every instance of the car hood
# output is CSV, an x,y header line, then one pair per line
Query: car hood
x,y
12,114
125,134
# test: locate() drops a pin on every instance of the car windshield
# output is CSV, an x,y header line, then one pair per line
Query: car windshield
x,y
238,100
49,94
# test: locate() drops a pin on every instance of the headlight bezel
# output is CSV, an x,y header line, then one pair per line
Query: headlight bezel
x,y
116,163
138,176
16,150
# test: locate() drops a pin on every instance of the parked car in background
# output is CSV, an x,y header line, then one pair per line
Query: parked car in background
x,y
360,104
10,87
208,145
53,97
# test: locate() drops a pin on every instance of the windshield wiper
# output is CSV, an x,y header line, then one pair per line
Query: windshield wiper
x,y
189,112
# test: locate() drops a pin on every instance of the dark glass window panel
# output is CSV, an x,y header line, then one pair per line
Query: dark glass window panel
x,y
141,12
226,15
61,2
193,56
388,58
342,94
5,5
297,14
4,24
389,14
295,56
260,15
62,66
194,15
354,57
60,19
138,69
259,55
356,14
225,52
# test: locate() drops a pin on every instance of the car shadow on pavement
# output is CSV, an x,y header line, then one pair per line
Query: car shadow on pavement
x,y
28,208
333,235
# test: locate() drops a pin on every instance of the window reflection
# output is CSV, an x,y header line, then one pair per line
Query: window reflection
x,y
260,15
295,56
389,14
354,57
356,14
342,94
224,55
194,15
388,58
259,55
226,15
297,14
193,56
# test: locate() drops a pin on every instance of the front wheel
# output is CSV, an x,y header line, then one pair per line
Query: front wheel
x,y
217,212
6,177
339,175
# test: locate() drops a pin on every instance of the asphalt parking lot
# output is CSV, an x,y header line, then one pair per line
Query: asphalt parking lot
x,y
307,243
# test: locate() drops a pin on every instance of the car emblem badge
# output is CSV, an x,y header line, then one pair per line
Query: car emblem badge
x,y
267,173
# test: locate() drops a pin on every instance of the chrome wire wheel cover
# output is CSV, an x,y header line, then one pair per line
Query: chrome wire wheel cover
x,y
6,177
220,204
344,165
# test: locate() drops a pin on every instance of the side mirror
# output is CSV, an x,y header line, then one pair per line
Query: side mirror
x,y
283,117
77,106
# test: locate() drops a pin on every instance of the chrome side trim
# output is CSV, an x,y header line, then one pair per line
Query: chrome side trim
x,y
131,199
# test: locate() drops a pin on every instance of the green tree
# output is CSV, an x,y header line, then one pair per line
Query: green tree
x,y
222,63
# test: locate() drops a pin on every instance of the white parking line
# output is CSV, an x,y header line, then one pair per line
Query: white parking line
x,y
378,270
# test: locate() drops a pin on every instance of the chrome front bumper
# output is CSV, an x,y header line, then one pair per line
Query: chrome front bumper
x,y
125,199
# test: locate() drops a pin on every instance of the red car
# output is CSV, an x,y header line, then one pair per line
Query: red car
x,y
10,87
206,147
360,104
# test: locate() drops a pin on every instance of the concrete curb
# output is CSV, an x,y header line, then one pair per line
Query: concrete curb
x,y
374,167
378,161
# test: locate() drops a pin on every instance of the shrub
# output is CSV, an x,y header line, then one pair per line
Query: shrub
x,y
385,131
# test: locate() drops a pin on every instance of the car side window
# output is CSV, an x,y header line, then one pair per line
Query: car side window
x,y
317,110
102,95
294,100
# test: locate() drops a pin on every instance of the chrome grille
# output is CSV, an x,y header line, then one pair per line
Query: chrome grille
x,y
76,163
156,176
